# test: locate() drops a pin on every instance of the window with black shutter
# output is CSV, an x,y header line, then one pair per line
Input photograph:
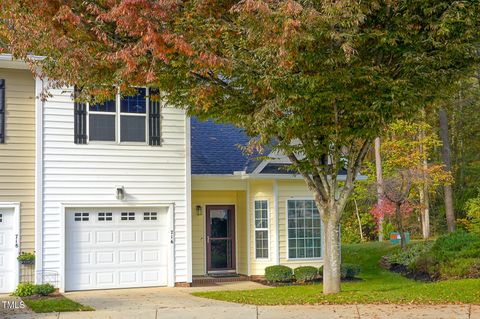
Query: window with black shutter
x,y
2,111
125,119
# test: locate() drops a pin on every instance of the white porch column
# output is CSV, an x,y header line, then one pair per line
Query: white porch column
x,y
276,243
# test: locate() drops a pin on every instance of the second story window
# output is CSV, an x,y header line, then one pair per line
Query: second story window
x,y
121,120
125,119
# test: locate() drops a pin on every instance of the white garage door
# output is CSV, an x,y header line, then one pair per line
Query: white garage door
x,y
8,260
116,248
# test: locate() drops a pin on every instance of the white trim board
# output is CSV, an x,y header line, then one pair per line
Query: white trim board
x,y
39,110
188,200
277,222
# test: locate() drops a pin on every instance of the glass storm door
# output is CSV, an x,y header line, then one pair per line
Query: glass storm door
x,y
220,238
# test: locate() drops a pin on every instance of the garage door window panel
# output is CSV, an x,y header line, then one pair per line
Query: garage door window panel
x,y
104,217
82,217
150,216
128,216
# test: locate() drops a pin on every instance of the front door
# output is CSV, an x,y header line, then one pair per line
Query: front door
x,y
220,238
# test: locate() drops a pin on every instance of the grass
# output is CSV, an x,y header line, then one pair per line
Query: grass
x,y
54,304
377,286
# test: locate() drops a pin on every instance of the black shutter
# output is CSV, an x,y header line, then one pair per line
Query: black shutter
x,y
2,111
80,120
154,107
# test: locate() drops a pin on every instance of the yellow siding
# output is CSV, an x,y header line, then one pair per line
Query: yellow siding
x,y
207,197
264,190
17,155
258,190
242,259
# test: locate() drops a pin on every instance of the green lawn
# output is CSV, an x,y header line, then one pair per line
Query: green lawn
x,y
377,286
55,304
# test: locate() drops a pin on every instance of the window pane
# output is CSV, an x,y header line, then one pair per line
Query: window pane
x,y
292,243
301,232
107,106
308,223
292,233
309,204
134,104
132,128
292,223
292,253
308,233
309,243
291,204
308,213
265,214
301,222
102,127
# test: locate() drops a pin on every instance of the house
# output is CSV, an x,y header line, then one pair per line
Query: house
x,y
247,214
129,193
17,174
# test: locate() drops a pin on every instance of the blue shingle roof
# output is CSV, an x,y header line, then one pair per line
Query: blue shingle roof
x,y
215,148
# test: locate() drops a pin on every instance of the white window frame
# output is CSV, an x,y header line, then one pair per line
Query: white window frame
x,y
255,229
287,235
118,114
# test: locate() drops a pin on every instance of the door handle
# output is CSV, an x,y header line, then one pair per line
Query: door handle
x,y
16,241
208,239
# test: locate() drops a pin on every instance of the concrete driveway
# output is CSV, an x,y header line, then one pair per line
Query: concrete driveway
x,y
177,303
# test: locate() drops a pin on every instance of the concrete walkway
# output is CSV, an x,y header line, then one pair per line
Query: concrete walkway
x,y
177,303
